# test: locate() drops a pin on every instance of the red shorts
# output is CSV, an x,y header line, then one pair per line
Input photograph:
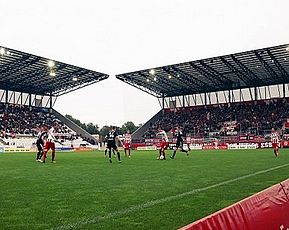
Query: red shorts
x,y
275,145
164,145
49,145
126,145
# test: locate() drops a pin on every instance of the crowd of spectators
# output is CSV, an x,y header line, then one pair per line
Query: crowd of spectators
x,y
255,117
22,120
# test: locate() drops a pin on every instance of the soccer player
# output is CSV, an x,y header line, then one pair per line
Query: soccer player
x,y
180,142
106,147
275,139
127,143
40,143
112,137
50,144
164,142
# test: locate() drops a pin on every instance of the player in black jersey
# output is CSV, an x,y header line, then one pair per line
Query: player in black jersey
x,y
180,142
106,148
40,143
112,136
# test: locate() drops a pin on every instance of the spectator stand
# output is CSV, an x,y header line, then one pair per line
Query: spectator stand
x,y
29,88
231,96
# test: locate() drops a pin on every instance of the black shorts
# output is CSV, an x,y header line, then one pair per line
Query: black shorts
x,y
179,144
111,145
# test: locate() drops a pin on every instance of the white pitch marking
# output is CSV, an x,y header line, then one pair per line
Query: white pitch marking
x,y
159,201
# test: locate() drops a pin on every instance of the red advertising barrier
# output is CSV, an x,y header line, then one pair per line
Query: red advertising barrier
x,y
268,209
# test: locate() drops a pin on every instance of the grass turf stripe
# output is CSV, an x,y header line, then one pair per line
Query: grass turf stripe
x,y
152,203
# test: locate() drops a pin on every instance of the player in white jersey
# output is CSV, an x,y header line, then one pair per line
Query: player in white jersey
x,y
127,143
163,144
275,139
50,144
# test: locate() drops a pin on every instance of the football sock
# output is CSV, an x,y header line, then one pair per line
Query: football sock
x,y
41,154
109,153
53,155
44,157
118,155
38,155
173,156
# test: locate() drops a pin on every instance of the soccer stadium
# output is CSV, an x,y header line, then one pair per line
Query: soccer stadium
x,y
215,155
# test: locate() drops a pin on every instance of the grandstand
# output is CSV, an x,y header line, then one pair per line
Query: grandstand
x,y
235,97
29,88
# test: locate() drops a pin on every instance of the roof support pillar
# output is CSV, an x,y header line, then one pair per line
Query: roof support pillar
x,y
230,99
6,96
206,99
183,101
163,103
50,103
30,101
284,91
6,100
255,94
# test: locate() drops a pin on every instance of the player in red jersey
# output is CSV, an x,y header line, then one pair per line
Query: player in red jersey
x,y
275,139
127,143
164,142
50,144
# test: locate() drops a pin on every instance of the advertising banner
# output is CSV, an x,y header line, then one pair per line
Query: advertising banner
x,y
268,209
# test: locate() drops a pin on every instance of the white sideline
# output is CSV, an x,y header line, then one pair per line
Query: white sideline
x,y
159,201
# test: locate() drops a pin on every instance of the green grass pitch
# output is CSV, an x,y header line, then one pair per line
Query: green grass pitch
x,y
83,191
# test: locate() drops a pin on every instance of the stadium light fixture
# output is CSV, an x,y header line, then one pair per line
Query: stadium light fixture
x,y
152,72
52,74
2,51
50,63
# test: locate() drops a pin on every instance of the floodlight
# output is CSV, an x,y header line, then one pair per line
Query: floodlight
x,y
52,74
2,51
152,71
50,63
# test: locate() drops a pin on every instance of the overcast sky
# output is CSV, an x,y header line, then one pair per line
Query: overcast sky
x,y
118,36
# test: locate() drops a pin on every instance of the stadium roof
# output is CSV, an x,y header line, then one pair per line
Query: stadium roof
x,y
261,67
23,72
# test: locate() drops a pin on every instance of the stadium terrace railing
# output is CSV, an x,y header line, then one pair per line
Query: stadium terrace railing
x,y
74,127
